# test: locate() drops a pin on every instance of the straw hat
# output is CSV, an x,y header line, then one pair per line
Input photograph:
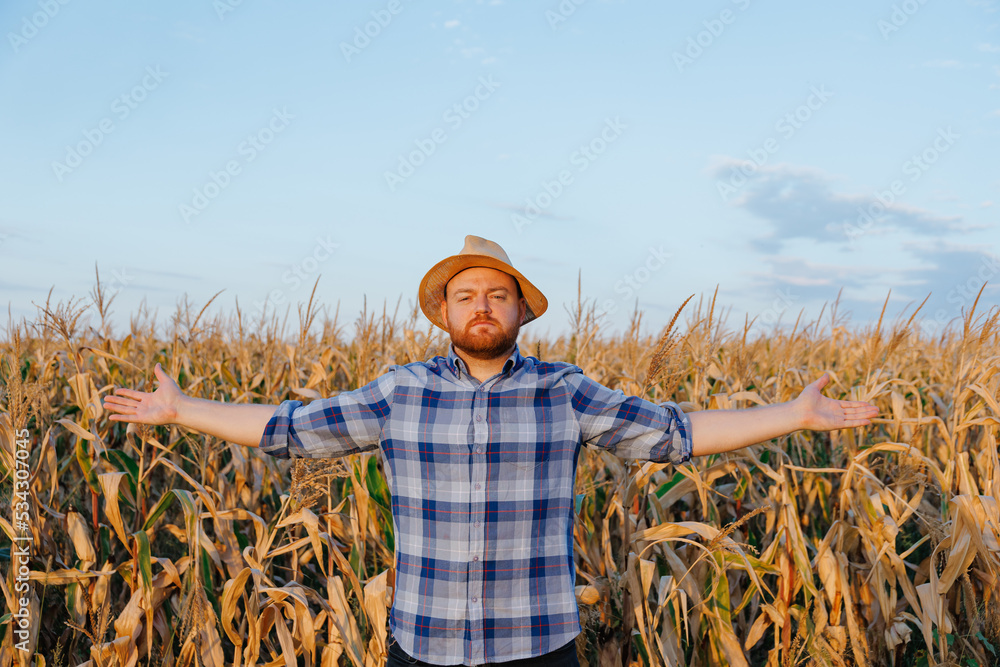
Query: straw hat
x,y
477,252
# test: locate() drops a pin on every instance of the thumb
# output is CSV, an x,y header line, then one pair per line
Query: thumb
x,y
161,375
822,381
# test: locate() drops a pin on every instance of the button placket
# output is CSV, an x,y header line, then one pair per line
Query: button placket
x,y
477,533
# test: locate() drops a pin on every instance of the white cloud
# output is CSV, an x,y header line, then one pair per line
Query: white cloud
x,y
800,203
453,23
942,63
950,274
988,6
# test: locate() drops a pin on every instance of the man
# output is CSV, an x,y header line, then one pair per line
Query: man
x,y
480,450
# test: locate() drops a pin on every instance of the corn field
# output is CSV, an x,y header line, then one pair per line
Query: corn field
x,y
161,546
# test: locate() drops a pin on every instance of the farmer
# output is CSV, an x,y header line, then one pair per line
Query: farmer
x,y
480,450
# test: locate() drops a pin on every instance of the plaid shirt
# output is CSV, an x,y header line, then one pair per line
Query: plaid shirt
x,y
482,478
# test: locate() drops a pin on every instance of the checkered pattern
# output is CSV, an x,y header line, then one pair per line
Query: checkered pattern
x,y
482,491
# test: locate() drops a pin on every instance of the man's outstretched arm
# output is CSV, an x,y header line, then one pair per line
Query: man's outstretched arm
x,y
715,431
240,423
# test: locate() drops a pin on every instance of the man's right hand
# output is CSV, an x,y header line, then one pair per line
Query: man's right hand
x,y
157,408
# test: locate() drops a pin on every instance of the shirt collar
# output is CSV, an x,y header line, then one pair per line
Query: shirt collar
x,y
458,366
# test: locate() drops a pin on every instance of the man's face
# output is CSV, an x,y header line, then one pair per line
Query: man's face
x,y
483,312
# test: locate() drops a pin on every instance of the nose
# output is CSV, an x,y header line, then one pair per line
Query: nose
x,y
483,304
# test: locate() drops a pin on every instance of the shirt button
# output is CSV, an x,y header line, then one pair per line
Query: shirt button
x,y
478,524
479,418
479,486
479,450
475,558
474,600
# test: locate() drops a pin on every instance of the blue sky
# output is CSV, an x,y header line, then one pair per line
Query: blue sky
x,y
782,151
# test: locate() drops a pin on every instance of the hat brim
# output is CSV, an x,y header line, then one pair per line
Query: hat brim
x,y
432,286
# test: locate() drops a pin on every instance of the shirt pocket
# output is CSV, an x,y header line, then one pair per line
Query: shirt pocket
x,y
525,442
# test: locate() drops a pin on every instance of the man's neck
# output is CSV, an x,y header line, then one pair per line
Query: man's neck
x,y
483,369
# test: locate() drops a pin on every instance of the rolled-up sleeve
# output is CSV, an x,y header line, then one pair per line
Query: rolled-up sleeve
x,y
629,426
344,424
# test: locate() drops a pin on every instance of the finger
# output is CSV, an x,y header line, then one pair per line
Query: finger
x,y
859,407
115,400
161,374
822,381
130,393
130,418
122,409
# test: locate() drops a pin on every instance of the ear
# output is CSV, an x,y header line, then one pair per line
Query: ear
x,y
523,309
444,313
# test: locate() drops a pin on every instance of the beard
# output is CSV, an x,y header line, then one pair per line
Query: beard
x,y
486,343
